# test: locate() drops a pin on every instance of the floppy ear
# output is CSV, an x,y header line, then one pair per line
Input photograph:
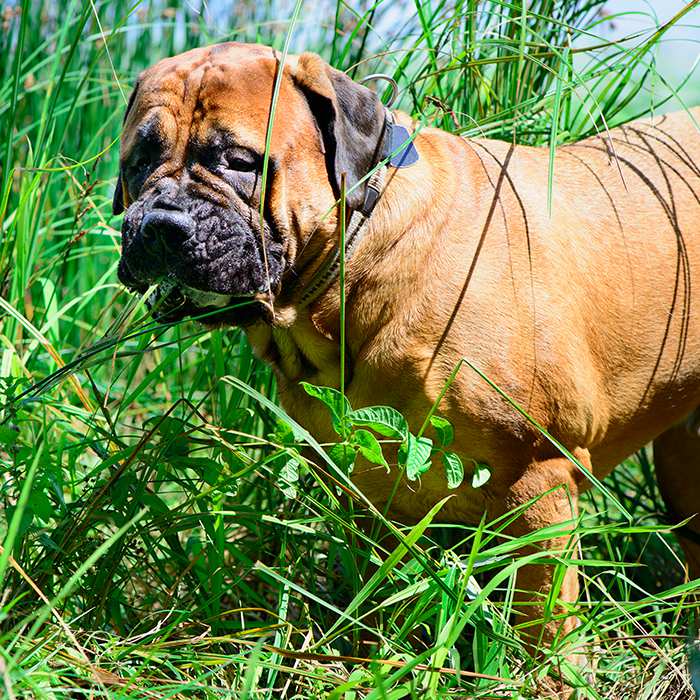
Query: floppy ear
x,y
350,118
118,198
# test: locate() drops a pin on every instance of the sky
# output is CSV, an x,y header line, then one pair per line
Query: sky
x,y
681,48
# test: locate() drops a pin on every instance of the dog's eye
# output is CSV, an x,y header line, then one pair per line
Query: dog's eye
x,y
140,164
243,161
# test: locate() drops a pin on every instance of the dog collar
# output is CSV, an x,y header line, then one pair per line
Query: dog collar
x,y
398,152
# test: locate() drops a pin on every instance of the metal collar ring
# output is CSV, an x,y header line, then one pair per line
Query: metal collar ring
x,y
386,78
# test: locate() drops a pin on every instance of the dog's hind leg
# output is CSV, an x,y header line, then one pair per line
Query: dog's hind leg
x,y
677,460
550,488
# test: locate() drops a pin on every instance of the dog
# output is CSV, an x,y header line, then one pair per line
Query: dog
x,y
582,313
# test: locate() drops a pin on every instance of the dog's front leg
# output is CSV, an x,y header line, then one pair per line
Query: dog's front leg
x,y
545,586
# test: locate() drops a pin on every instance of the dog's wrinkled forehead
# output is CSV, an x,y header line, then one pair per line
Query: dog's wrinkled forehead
x,y
226,88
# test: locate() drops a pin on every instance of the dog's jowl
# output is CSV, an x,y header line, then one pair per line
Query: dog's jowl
x,y
585,313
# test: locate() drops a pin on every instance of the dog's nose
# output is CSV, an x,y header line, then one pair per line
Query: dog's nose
x,y
167,228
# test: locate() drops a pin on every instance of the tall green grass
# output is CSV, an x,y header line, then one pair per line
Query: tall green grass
x,y
162,534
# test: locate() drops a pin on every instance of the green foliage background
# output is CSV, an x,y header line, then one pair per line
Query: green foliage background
x,y
151,491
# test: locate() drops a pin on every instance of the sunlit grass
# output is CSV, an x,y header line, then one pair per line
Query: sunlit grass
x,y
163,535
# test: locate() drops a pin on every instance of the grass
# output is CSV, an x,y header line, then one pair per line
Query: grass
x,y
162,533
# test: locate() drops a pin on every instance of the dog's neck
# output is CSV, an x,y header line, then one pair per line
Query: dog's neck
x,y
393,256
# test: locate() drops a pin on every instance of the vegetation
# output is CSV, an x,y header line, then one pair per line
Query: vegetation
x,y
162,534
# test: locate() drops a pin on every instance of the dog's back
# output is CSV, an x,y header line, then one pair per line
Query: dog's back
x,y
640,273
595,281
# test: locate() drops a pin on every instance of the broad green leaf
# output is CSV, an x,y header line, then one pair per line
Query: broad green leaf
x,y
481,475
197,464
454,469
210,471
414,454
369,447
120,489
8,436
343,455
289,476
25,519
444,430
334,401
40,502
385,420
154,502
175,434
283,433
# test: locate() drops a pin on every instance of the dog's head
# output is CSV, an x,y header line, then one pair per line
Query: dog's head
x,y
192,153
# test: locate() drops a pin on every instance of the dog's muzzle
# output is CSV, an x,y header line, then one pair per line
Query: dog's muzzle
x,y
203,257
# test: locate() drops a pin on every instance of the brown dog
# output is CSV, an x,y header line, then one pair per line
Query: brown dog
x,y
586,317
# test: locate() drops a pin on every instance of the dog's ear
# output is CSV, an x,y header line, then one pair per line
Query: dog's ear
x,y
118,198
350,118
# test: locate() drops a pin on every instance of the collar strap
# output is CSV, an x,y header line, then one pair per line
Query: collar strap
x,y
329,269
398,152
